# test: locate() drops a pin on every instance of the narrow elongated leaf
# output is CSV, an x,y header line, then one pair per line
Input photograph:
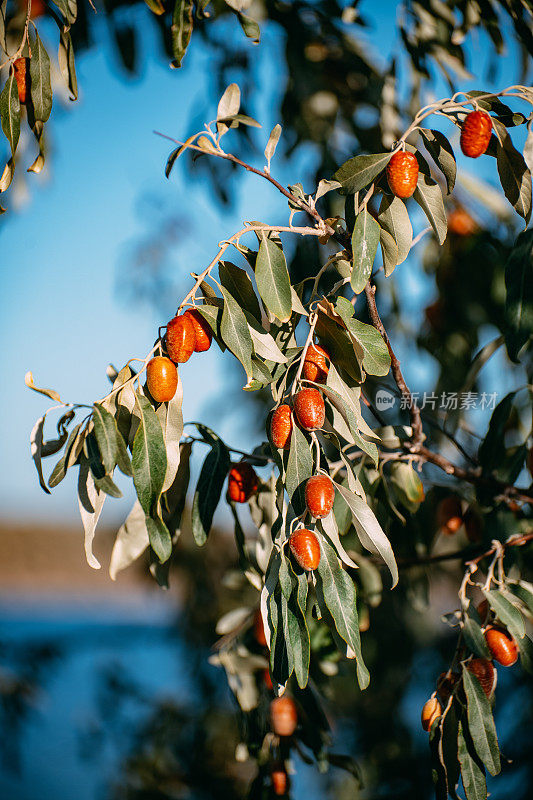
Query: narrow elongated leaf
x,y
173,499
69,9
51,393
264,343
181,29
66,460
515,176
272,278
106,435
336,595
281,655
359,171
394,219
506,612
329,526
429,197
239,285
235,332
131,542
67,64
208,489
10,112
41,87
107,484
472,773
299,469
3,43
272,143
171,418
481,723
519,298
340,345
441,151
365,240
90,502
375,354
250,27
36,445
160,539
369,530
474,638
149,459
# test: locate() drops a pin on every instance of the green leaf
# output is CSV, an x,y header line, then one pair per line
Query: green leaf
x,y
524,591
106,484
10,112
429,197
369,530
407,485
181,29
336,595
148,459
67,64
472,773
281,656
41,88
441,152
272,278
156,6
340,345
235,332
264,344
239,285
506,612
106,435
492,449
228,107
209,488
272,143
171,418
173,499
394,219
481,723
474,638
515,176
250,27
329,527
375,354
299,469
519,298
160,539
69,10
72,447
365,240
359,171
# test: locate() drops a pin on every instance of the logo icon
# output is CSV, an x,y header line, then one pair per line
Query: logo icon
x,y
384,400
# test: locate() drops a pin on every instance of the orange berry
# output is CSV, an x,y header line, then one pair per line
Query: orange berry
x,y
162,379
180,339
475,133
281,427
202,330
315,366
305,548
283,715
449,515
461,223
309,409
402,174
431,710
242,482
484,671
21,68
319,495
280,780
502,646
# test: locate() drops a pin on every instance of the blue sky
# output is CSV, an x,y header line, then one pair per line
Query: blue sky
x,y
62,314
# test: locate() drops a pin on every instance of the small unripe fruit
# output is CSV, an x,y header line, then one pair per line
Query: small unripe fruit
x,y
319,495
180,339
281,427
461,223
21,68
259,629
162,379
305,548
446,684
283,716
450,515
280,780
475,134
316,366
430,712
202,330
242,482
502,646
484,671
473,527
402,174
309,409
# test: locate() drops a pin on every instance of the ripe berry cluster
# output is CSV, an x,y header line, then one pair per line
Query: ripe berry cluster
x,y
186,334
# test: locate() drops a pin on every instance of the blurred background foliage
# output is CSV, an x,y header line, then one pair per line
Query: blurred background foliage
x,y
334,97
